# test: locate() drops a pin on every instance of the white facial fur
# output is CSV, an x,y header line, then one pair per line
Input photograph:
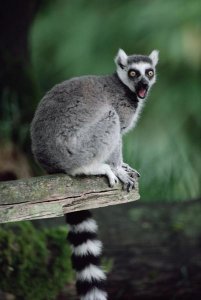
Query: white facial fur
x,y
142,67
121,61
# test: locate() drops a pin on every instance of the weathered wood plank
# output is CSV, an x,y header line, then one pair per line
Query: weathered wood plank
x,y
54,195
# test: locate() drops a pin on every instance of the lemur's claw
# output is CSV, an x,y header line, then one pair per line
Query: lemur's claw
x,y
128,186
138,174
132,172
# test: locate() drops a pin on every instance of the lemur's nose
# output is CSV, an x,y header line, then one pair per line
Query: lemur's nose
x,y
143,84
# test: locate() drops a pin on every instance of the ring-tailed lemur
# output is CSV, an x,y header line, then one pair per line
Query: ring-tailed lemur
x,y
77,129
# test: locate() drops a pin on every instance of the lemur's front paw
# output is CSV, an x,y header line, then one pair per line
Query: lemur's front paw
x,y
132,172
112,180
127,180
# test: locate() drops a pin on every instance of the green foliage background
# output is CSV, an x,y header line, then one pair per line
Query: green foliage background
x,y
72,38
34,264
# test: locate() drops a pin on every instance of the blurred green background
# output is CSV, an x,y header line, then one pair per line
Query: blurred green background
x,y
44,42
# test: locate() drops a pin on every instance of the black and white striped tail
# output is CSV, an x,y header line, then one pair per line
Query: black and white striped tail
x,y
86,252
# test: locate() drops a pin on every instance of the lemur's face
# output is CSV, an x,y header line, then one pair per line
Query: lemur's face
x,y
137,71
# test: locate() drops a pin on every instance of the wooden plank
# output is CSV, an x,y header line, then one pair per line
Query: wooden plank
x,y
55,195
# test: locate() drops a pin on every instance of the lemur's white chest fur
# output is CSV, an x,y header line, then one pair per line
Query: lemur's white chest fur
x,y
136,115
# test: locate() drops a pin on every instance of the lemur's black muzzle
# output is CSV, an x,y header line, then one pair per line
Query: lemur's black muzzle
x,y
142,89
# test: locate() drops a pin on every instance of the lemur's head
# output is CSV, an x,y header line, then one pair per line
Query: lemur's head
x,y
137,71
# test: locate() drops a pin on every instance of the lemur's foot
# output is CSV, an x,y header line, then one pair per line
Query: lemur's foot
x,y
132,172
97,169
112,178
127,180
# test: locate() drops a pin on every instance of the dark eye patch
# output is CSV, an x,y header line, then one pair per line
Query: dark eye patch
x,y
149,72
130,73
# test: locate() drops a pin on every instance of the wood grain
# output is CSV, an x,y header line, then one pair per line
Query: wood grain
x,y
55,195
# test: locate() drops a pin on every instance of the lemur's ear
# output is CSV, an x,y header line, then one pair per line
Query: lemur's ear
x,y
154,57
121,59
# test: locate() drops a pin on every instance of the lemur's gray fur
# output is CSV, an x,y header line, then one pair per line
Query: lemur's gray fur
x,y
78,125
77,129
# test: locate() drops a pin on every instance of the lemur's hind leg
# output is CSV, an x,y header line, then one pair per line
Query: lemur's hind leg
x,y
97,169
92,150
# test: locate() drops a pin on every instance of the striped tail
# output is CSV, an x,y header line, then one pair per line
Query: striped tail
x,y
86,251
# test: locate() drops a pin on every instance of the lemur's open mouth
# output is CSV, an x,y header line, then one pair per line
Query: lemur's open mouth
x,y
142,90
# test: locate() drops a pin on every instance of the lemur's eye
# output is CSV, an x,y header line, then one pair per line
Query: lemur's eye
x,y
150,73
132,73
